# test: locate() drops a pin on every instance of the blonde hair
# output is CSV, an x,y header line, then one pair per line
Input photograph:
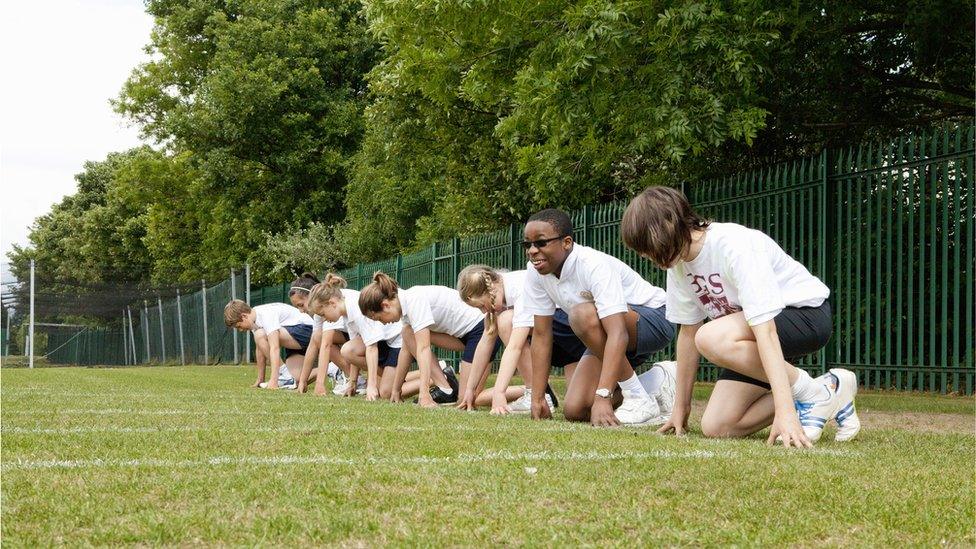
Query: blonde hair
x,y
372,296
235,311
476,281
322,292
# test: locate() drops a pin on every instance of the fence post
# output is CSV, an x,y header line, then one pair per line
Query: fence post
x,y
359,275
125,342
132,337
827,243
456,260
145,314
587,221
514,247
30,359
179,323
247,299
399,268
206,334
162,338
433,263
233,295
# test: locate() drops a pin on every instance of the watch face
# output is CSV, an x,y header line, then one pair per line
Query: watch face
x,y
603,393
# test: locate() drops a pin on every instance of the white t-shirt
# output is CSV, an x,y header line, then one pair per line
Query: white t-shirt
x,y
589,276
739,269
271,316
438,308
371,331
319,324
514,291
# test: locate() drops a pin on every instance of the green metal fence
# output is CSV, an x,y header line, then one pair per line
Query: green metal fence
x,y
889,228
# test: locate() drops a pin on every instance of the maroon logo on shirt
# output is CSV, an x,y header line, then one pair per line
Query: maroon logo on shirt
x,y
711,294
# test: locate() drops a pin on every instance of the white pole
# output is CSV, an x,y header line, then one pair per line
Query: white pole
x,y
247,299
206,336
162,337
233,295
7,333
179,318
145,315
132,337
31,359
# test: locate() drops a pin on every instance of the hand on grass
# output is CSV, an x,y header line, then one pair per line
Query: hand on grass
x,y
601,414
372,393
350,390
396,397
466,402
257,384
786,426
273,384
499,404
427,402
320,389
302,387
540,410
678,422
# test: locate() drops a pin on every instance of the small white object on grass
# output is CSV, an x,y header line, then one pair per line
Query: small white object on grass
x,y
531,470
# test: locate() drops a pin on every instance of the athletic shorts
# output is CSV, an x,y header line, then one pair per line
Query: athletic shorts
x,y
471,340
388,356
302,334
801,331
566,345
654,332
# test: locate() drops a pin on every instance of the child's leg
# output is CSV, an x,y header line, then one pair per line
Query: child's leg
x,y
730,343
737,409
294,364
450,343
512,393
582,389
354,351
586,324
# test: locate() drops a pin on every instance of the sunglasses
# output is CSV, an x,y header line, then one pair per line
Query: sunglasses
x,y
539,244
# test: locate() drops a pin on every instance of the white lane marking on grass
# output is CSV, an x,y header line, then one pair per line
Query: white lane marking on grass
x,y
500,428
166,412
369,460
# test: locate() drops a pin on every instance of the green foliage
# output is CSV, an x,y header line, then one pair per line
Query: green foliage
x,y
287,255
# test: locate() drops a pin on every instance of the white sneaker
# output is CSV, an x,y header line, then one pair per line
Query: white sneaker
x,y
638,410
665,395
814,414
523,404
361,386
848,424
339,383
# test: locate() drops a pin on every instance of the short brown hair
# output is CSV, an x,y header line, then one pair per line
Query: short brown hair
x,y
658,224
235,311
371,297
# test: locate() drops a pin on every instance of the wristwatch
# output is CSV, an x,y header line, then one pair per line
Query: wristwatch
x,y
604,393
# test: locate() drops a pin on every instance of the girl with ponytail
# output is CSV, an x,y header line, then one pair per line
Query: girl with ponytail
x,y
327,339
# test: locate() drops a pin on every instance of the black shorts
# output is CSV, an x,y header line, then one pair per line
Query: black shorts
x,y
302,334
388,356
567,348
801,331
471,340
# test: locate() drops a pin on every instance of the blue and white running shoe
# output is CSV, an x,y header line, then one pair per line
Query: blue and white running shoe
x,y
848,424
814,414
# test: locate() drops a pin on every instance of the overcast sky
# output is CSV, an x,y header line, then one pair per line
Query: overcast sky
x,y
60,63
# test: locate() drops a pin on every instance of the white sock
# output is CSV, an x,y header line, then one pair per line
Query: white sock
x,y
446,390
652,380
805,389
634,386
332,369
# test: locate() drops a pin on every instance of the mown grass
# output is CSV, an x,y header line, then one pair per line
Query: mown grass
x,y
192,456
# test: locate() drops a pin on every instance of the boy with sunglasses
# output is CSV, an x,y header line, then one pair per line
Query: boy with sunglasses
x,y
618,315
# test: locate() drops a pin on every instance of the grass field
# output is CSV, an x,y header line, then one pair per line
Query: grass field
x,y
192,456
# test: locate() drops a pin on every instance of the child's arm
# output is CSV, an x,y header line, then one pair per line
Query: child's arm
x,y
403,366
261,348
786,423
353,377
686,354
324,356
614,360
310,354
425,359
274,352
372,372
480,362
541,359
510,358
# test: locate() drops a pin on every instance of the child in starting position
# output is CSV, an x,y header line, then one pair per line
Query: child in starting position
x,y
274,326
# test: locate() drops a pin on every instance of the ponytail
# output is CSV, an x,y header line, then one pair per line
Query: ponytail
x,y
475,281
324,291
371,297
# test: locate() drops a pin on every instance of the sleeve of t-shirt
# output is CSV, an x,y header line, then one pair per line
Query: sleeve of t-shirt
x,y
316,324
520,317
750,270
267,320
681,307
534,297
371,331
607,289
417,313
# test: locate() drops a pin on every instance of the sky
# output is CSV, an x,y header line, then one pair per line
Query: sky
x,y
61,62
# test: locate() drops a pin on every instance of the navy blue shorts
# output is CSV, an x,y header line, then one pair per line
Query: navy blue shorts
x,y
471,340
567,348
801,331
302,334
388,356
654,332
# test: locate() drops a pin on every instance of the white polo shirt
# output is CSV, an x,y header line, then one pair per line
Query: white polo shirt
x,y
514,282
371,331
589,276
438,308
739,269
319,324
272,316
